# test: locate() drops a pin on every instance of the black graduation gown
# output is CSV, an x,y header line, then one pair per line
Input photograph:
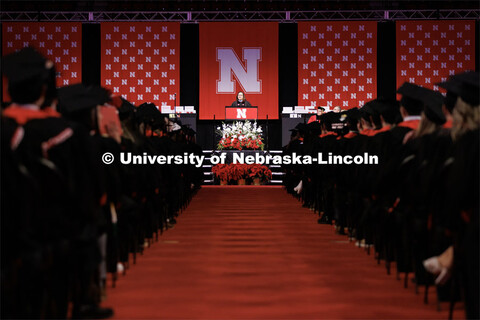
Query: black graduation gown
x,y
245,103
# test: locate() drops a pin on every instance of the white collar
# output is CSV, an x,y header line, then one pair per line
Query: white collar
x,y
29,106
411,118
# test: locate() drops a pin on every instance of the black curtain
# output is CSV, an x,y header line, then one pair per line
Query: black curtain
x,y
287,65
1,55
91,54
189,56
189,81
386,60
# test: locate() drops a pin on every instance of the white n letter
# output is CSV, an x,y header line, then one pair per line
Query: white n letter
x,y
241,113
247,75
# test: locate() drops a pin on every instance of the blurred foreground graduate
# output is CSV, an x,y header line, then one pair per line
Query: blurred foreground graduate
x,y
412,104
460,260
49,226
81,105
419,206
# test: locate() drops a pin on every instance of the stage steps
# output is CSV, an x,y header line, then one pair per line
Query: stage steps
x,y
277,174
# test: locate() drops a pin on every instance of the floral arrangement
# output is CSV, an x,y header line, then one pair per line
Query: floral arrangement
x,y
240,135
226,172
260,171
239,171
221,172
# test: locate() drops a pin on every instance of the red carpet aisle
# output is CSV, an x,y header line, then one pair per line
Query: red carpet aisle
x,y
253,252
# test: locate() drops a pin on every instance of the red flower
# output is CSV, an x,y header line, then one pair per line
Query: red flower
x,y
241,171
260,171
221,171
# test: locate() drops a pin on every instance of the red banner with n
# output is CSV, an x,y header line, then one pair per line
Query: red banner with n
x,y
429,52
238,56
60,42
141,61
337,63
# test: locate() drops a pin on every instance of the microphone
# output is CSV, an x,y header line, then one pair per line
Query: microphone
x,y
213,133
175,104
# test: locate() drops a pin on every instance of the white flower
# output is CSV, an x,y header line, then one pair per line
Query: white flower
x,y
242,130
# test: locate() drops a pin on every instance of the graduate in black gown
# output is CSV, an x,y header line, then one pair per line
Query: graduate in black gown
x,y
421,200
50,153
460,209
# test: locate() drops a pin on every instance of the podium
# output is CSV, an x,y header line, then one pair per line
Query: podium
x,y
241,113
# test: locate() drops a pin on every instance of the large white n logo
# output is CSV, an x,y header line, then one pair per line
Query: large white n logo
x,y
247,75
241,113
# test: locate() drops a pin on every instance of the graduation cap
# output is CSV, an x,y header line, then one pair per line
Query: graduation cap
x,y
411,98
79,97
353,114
330,118
419,99
465,85
351,117
26,64
389,109
450,100
126,109
147,112
433,107
408,89
327,117
381,105
368,108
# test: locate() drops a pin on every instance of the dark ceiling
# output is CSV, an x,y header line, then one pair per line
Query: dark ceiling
x,y
212,5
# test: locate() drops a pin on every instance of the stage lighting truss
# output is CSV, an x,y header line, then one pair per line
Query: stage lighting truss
x,y
279,16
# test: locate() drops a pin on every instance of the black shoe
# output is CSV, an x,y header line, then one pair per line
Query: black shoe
x,y
93,312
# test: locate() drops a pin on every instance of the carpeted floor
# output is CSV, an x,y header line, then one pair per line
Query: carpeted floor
x,y
254,252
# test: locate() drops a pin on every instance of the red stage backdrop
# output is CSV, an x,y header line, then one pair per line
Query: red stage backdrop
x,y
337,63
429,51
141,61
238,56
60,42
